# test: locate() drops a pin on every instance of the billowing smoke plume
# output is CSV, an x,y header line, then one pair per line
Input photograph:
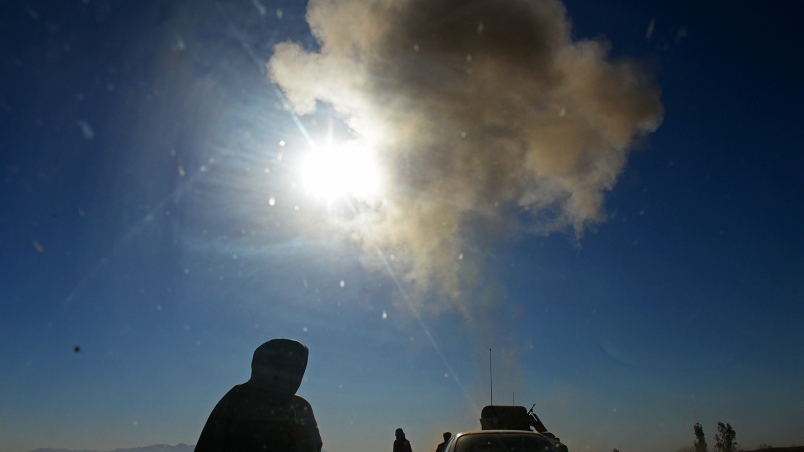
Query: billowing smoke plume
x,y
488,117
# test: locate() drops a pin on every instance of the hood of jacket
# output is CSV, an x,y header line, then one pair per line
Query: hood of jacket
x,y
280,365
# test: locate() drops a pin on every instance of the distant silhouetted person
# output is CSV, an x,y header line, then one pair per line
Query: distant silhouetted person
x,y
400,443
447,436
264,414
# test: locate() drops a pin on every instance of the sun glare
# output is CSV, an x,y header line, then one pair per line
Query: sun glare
x,y
339,170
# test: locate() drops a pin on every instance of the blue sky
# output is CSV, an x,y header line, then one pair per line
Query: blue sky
x,y
153,215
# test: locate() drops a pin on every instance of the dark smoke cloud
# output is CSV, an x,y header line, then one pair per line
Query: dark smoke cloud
x,y
489,118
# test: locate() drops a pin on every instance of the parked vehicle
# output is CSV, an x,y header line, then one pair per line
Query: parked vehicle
x,y
499,441
516,418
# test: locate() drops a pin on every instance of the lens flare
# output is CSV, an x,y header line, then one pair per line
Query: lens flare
x,y
340,170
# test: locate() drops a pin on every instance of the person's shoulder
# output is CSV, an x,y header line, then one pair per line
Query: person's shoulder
x,y
233,391
238,388
245,390
302,407
297,399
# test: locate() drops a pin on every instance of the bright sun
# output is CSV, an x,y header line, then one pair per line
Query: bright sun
x,y
339,170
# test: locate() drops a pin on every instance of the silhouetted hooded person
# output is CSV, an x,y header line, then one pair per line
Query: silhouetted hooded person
x,y
264,414
400,443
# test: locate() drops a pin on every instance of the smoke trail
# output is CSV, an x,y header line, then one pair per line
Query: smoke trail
x,y
489,118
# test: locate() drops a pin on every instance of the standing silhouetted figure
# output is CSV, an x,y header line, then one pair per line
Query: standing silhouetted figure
x,y
447,436
400,443
264,414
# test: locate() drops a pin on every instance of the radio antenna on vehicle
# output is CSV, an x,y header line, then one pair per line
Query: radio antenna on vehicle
x,y
491,382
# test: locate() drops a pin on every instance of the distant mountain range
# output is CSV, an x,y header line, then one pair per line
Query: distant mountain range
x,y
154,448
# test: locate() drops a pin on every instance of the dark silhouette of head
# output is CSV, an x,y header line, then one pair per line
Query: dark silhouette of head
x,y
279,364
447,436
400,434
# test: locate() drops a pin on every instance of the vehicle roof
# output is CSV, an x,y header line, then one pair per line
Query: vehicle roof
x,y
476,432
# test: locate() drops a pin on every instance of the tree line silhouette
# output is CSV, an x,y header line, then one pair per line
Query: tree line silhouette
x,y
724,439
725,442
